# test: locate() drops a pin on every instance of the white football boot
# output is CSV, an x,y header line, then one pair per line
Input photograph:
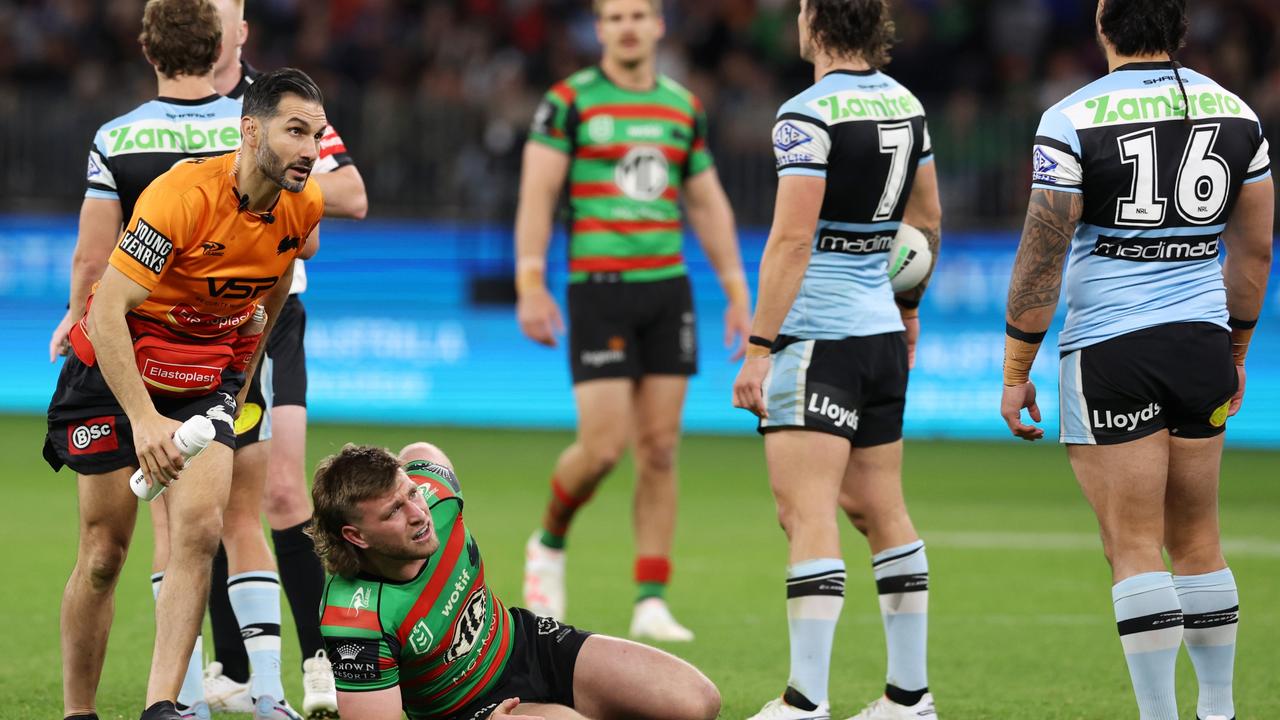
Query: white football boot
x,y
652,620
543,579
269,708
224,694
779,709
885,709
319,692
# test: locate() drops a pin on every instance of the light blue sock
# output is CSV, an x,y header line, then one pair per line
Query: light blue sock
x,y
1211,615
255,598
902,579
815,595
1149,619
192,690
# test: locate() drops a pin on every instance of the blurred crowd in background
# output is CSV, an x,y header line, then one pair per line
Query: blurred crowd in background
x,y
433,97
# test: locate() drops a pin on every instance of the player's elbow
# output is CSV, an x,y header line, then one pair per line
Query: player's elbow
x,y
359,207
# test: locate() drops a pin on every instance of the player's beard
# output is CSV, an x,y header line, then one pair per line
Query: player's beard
x,y
272,166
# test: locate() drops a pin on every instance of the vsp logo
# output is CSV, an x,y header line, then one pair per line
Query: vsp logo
x,y
240,288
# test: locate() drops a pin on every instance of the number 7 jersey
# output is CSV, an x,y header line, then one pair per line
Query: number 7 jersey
x,y
1160,176
865,134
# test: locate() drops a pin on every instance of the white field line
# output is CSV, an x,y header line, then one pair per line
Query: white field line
x,y
1074,541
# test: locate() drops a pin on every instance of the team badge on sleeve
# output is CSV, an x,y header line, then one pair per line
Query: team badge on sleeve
x,y
788,135
1054,166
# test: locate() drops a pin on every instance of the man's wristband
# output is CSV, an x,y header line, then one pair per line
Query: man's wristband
x,y
735,288
1241,334
1020,350
530,274
760,341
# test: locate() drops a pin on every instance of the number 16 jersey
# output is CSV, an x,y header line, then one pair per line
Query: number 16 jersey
x,y
1159,175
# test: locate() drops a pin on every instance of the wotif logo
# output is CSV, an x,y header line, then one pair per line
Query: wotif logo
x,y
458,587
1107,420
839,416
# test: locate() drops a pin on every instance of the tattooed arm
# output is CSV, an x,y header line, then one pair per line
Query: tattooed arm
x,y
1033,296
1037,270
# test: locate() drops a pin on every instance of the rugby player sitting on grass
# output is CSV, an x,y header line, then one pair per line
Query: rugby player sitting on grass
x,y
412,627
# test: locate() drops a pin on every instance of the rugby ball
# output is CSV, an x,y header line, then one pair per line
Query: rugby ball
x,y
909,258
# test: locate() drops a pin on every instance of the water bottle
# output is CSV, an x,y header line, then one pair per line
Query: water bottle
x,y
194,436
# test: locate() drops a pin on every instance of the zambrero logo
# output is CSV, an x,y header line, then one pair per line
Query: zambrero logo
x,y
1157,104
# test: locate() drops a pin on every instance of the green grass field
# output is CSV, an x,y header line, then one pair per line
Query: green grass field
x,y
1021,623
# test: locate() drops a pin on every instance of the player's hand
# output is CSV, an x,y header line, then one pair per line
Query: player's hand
x,y
1015,398
59,345
912,324
1238,399
158,457
507,710
539,317
737,328
748,389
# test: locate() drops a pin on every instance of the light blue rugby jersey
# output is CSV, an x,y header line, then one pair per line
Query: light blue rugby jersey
x,y
1158,191
132,150
866,135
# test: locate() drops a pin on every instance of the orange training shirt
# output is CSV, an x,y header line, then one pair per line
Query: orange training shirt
x,y
206,261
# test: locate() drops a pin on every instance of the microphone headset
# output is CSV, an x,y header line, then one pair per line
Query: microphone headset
x,y
243,206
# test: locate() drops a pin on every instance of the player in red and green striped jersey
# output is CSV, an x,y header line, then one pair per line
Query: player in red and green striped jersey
x,y
631,144
412,627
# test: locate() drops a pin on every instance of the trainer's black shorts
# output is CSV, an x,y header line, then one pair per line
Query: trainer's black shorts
x,y
1178,377
543,655
855,387
89,432
631,329
281,377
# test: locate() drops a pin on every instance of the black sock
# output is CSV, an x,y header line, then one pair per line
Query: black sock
x,y
228,646
82,716
793,698
302,576
904,697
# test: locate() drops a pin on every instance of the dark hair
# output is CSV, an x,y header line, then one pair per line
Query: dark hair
x,y
262,99
853,27
181,37
1144,27
353,475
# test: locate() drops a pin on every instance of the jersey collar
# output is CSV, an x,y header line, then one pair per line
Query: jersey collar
x,y
1154,65
182,101
365,575
844,71
248,74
